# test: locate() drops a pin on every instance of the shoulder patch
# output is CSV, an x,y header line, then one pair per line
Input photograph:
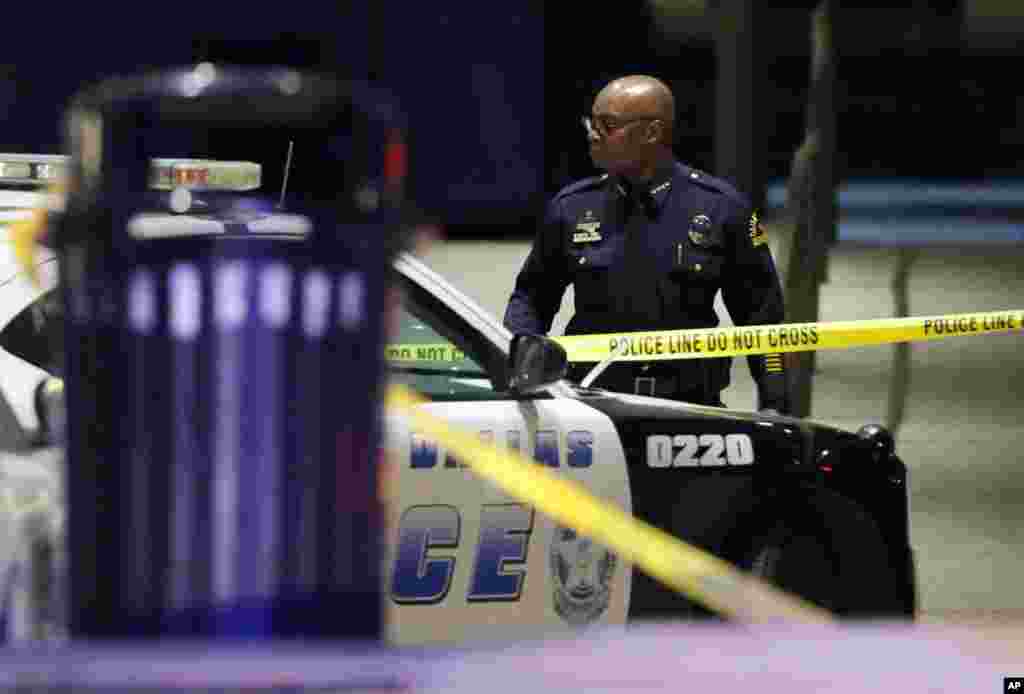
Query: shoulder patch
x,y
758,236
582,186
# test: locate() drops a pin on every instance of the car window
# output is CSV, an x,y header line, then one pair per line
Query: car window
x,y
422,354
36,334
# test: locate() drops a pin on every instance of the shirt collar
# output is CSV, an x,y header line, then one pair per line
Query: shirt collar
x,y
661,184
657,188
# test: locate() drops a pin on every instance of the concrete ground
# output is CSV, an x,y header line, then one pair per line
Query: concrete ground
x,y
961,435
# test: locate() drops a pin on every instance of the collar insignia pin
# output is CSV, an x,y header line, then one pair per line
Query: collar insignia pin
x,y
699,228
658,188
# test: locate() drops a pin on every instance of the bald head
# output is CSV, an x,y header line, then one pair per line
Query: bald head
x,y
630,129
638,96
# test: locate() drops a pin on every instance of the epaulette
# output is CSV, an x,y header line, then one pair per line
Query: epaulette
x,y
582,185
716,184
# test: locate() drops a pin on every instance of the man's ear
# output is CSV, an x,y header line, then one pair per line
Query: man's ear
x,y
655,132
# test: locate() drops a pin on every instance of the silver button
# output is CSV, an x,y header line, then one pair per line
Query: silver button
x,y
694,175
583,261
697,267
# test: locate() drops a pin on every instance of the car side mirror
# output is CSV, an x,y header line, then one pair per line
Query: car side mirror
x,y
535,361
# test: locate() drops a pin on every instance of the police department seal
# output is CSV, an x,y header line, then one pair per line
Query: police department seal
x,y
581,571
700,229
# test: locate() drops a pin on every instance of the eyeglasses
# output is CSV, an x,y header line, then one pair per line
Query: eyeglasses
x,y
603,126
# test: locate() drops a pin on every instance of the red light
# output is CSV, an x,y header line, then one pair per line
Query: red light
x,y
825,468
395,159
191,176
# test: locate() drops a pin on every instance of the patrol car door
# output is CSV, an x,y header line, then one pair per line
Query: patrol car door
x,y
464,561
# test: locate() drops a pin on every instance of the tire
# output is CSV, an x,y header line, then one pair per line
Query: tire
x,y
829,551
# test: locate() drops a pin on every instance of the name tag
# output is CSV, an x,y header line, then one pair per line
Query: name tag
x,y
586,232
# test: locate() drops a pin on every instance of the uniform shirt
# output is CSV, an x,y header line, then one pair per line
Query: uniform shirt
x,y
654,259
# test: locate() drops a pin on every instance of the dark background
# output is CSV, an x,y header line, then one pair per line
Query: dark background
x,y
494,91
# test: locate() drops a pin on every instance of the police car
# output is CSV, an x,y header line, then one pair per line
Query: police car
x,y
816,510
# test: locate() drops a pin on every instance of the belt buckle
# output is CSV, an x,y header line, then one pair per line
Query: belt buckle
x,y
640,381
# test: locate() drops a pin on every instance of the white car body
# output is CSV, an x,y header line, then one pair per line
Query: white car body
x,y
498,560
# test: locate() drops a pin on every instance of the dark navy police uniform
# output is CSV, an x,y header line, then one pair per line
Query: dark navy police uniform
x,y
654,259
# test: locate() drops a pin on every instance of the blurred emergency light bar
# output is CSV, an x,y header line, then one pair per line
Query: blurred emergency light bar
x,y
32,169
204,174
164,174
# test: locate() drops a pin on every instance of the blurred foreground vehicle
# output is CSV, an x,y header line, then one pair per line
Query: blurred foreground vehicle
x,y
820,512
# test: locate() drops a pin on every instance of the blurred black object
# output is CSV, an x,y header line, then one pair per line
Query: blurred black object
x,y
223,390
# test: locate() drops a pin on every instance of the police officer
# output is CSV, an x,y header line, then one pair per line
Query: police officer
x,y
647,246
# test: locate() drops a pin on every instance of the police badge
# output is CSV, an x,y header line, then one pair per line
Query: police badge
x,y
700,230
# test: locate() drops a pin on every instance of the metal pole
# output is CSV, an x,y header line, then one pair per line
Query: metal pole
x,y
812,204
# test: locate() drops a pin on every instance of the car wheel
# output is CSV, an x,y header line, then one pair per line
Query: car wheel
x,y
829,551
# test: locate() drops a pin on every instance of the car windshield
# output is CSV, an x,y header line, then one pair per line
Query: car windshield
x,y
420,356
35,334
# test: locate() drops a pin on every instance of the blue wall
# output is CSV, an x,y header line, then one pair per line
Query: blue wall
x,y
469,75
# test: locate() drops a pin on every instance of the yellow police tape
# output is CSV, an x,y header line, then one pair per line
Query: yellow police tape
x,y
703,343
439,351
701,576
790,337
25,234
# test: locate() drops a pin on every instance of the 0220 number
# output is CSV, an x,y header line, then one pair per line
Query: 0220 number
x,y
704,450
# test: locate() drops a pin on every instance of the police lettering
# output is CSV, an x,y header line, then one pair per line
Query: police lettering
x,y
683,344
436,354
498,571
430,354
399,353
748,339
653,345
951,326
792,336
424,454
717,342
646,346
1008,322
